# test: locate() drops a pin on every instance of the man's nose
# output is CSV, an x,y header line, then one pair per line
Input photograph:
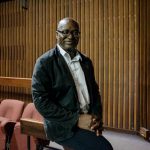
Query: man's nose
x,y
70,35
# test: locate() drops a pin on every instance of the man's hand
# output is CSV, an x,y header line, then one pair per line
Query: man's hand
x,y
84,121
96,125
90,122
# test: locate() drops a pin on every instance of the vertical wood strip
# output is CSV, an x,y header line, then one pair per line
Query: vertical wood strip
x,y
87,27
121,67
137,66
101,53
82,27
126,63
111,64
131,64
74,12
106,62
116,62
96,46
114,34
148,64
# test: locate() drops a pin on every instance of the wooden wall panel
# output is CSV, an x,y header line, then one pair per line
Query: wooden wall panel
x,y
114,34
137,66
148,64
144,64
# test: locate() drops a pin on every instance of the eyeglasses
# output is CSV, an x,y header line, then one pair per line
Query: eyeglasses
x,y
66,33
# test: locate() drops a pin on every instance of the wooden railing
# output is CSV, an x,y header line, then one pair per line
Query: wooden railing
x,y
15,82
13,87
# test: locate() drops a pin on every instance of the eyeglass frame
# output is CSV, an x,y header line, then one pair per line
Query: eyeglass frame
x,y
69,32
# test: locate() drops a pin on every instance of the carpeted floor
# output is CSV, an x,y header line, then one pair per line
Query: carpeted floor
x,y
123,141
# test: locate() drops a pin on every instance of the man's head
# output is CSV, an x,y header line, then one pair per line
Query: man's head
x,y
68,33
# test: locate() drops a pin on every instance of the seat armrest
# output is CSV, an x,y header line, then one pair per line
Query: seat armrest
x,y
33,128
6,125
3,121
9,127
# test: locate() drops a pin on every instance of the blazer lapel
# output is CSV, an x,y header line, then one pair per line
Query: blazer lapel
x,y
86,71
63,65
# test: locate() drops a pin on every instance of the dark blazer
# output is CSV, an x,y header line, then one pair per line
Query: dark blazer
x,y
55,96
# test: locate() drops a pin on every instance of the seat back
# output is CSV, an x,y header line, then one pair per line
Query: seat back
x,y
12,109
31,112
19,140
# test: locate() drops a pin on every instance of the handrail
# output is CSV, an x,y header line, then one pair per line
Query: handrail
x,y
32,127
15,82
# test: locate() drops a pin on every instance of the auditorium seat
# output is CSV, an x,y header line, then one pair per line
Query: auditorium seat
x,y
10,112
19,140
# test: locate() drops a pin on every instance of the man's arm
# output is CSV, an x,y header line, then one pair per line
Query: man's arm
x,y
43,100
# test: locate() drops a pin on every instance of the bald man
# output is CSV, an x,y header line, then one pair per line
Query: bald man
x,y
66,94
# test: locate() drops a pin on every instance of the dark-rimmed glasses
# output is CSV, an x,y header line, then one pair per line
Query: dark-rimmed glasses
x,y
66,33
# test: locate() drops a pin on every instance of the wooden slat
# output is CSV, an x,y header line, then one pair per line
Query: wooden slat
x,y
148,64
101,50
36,29
78,18
74,13
51,22
126,63
106,63
114,34
142,64
116,62
137,66
27,44
121,67
34,35
111,62
82,26
96,36
33,128
87,28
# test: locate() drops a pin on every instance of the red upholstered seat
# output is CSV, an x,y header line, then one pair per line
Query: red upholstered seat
x,y
19,140
10,112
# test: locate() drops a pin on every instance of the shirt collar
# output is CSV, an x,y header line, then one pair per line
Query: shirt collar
x,y
65,54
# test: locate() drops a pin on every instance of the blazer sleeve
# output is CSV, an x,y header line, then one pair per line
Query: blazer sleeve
x,y
43,100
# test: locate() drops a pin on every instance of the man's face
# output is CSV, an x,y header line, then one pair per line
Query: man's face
x,y
68,34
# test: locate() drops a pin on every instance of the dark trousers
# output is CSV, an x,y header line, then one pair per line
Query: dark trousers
x,y
86,140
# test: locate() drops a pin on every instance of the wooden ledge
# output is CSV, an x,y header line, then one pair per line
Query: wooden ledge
x,y
33,128
15,82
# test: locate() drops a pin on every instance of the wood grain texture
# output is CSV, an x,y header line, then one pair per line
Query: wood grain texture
x,y
115,34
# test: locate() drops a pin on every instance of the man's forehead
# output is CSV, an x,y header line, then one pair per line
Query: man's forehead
x,y
67,23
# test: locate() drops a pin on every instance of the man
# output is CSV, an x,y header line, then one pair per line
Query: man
x,y
66,94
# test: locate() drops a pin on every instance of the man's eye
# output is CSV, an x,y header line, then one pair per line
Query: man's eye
x,y
65,32
75,32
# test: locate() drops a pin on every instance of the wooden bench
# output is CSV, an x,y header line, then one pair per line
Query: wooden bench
x,y
15,88
32,128
15,82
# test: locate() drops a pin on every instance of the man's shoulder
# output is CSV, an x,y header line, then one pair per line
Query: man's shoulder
x,y
47,56
85,57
